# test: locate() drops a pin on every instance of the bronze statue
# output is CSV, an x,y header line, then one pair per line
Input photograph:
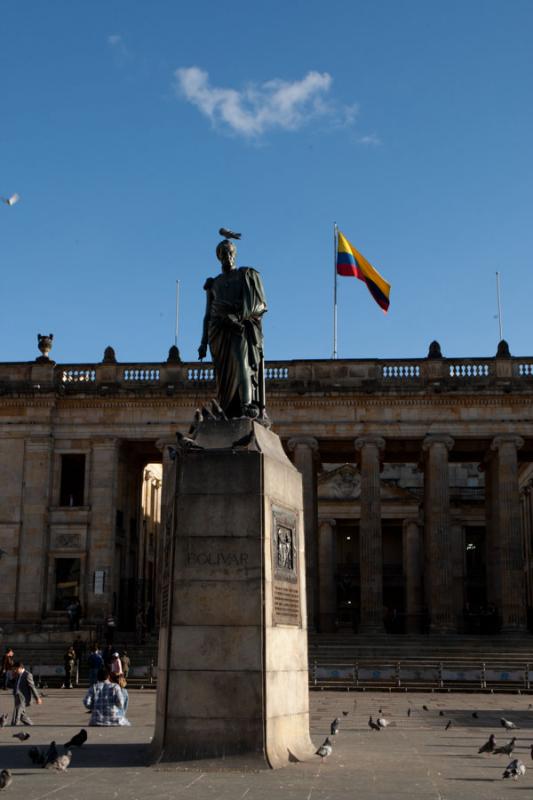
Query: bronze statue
x,y
232,327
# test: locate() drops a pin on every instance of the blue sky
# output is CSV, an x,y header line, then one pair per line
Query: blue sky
x,y
134,130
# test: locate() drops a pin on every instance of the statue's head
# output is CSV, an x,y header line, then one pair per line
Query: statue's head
x,y
226,254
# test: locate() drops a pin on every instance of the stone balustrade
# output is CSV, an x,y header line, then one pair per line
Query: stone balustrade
x,y
506,374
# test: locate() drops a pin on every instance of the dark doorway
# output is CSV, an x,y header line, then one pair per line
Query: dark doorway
x,y
72,489
67,582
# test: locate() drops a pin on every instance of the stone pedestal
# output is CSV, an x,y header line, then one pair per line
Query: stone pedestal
x,y
233,672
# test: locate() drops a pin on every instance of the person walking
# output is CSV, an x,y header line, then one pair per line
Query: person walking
x,y
94,662
7,667
24,692
116,664
69,660
78,645
126,663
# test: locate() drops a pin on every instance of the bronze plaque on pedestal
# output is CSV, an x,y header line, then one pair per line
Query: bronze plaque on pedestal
x,y
285,584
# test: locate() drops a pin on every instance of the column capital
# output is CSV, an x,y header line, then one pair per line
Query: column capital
x,y
103,442
363,441
437,438
303,441
409,521
327,521
506,438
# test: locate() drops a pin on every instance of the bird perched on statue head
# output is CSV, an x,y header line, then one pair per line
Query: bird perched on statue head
x,y
229,234
514,770
325,749
5,778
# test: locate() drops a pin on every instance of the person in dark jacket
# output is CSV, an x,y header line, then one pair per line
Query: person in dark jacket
x,y
69,660
24,692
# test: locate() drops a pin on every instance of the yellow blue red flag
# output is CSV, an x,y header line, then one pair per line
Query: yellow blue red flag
x,y
351,263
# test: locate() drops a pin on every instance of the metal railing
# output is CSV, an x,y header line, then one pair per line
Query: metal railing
x,y
429,674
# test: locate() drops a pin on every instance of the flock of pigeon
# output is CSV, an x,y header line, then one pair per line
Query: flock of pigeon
x,y
48,757
515,769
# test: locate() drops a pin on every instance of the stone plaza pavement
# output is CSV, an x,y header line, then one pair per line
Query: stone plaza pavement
x,y
415,758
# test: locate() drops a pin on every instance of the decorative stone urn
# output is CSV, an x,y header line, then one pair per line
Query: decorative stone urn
x,y
44,343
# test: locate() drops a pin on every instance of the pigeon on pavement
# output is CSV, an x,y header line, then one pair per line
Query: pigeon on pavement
x,y
507,724
506,749
448,725
80,738
334,727
383,723
61,762
514,770
51,754
5,778
441,713
475,715
425,708
37,756
408,712
325,749
373,725
22,737
345,713
489,745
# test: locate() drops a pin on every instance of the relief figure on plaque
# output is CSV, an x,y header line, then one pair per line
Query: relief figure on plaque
x,y
285,559
232,328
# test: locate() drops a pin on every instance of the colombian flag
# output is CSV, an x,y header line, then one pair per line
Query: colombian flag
x,y
351,263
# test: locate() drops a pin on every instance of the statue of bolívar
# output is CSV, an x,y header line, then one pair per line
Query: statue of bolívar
x,y
232,327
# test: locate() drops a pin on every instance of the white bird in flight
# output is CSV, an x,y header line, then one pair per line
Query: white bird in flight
x,y
10,201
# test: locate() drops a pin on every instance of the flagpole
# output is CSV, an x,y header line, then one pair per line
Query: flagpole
x,y
176,330
500,323
334,290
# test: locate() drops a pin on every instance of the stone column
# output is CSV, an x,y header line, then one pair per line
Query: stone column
x,y
34,535
305,457
506,516
458,568
103,502
327,563
168,453
437,533
492,539
413,572
370,537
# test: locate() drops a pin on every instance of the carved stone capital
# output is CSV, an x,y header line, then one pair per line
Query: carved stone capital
x,y
303,441
327,521
376,441
506,438
437,438
411,522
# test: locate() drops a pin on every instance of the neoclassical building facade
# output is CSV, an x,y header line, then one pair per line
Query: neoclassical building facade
x,y
417,481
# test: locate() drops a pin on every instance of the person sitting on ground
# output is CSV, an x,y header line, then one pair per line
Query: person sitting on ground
x,y
105,701
121,681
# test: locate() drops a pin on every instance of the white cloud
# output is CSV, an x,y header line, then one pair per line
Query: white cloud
x,y
286,105
370,139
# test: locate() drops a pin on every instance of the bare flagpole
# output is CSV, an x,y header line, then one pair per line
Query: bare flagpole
x,y
498,297
334,290
177,312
